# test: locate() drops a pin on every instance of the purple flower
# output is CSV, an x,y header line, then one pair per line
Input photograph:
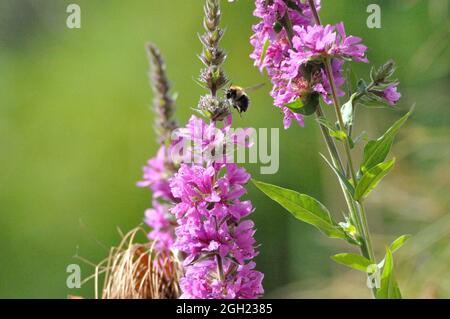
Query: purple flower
x,y
161,222
156,175
264,31
297,71
324,88
315,43
202,282
209,213
200,142
391,95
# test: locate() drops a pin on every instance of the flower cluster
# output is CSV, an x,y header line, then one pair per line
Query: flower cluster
x,y
200,142
201,281
293,50
159,219
156,175
218,244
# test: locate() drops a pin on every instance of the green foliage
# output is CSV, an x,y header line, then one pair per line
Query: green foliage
x,y
372,95
399,242
349,187
333,129
354,261
389,287
306,105
376,151
296,105
304,208
371,178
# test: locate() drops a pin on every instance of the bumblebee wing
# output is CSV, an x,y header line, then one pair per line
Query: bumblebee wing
x,y
255,87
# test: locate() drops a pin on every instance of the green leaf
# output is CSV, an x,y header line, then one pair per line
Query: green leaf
x,y
374,101
294,106
361,86
384,72
371,178
389,287
341,176
304,208
335,132
347,111
399,242
354,261
306,105
376,151
339,135
264,50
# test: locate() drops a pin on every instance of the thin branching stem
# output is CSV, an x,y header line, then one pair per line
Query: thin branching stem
x,y
358,208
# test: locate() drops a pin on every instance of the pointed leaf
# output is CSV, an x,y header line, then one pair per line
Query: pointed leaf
x,y
354,261
341,176
304,208
376,151
371,178
306,105
389,287
399,242
335,132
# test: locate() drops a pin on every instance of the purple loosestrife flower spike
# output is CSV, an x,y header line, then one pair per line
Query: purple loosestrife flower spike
x,y
212,233
163,101
293,49
160,168
212,77
217,243
272,41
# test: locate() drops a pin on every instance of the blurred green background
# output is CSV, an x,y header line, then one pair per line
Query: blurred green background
x,y
75,130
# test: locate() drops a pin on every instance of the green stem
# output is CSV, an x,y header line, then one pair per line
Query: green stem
x,y
337,107
361,210
357,209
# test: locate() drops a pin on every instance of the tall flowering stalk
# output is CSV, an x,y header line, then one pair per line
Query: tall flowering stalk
x,y
304,60
160,168
217,243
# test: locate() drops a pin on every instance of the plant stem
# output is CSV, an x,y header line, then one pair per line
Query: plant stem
x,y
360,206
337,107
329,141
357,209
220,268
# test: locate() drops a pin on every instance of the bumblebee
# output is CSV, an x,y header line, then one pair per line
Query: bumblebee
x,y
239,98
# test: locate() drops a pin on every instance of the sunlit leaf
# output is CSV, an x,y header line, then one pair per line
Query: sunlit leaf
x,y
389,287
376,151
371,178
399,242
304,208
354,261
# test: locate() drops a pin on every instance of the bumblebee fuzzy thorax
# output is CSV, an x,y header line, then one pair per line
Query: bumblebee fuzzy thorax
x,y
238,98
